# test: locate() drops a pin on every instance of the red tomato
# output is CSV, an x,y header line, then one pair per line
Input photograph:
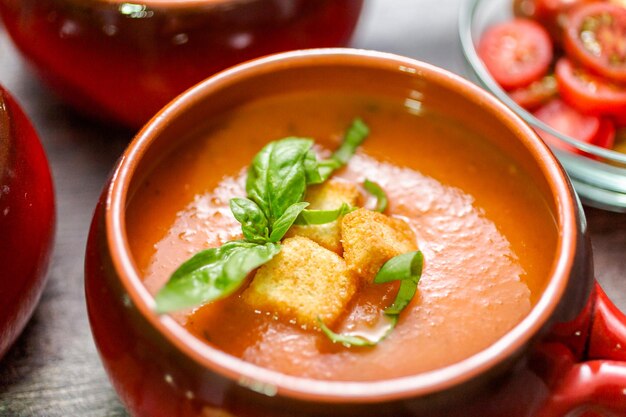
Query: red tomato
x,y
516,53
569,121
606,134
536,94
620,120
552,14
596,37
589,93
525,8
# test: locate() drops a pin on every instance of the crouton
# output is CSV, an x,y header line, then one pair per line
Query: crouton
x,y
370,239
328,196
303,282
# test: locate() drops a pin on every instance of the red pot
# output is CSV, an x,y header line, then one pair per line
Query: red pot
x,y
541,366
27,220
123,61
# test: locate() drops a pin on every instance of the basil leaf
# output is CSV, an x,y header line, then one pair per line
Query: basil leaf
x,y
277,178
349,340
254,224
406,268
212,274
311,168
356,134
354,137
286,220
327,167
308,217
377,191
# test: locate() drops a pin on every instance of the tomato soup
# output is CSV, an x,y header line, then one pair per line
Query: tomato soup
x,y
486,234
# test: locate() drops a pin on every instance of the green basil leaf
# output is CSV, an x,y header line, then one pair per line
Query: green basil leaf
x,y
327,167
212,274
406,268
276,178
377,191
286,220
311,168
308,217
356,134
353,138
254,224
349,340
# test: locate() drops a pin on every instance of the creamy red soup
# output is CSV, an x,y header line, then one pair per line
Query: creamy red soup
x,y
486,234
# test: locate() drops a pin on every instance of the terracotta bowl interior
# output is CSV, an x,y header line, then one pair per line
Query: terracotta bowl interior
x,y
346,71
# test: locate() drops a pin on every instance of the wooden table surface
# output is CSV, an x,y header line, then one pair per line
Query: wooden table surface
x,y
53,369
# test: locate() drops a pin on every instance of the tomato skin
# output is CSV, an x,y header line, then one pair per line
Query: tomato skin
x,y
620,121
536,94
589,93
609,40
605,137
569,121
516,52
552,14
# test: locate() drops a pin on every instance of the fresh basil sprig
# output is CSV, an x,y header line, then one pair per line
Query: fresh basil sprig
x,y
406,268
377,191
213,273
275,186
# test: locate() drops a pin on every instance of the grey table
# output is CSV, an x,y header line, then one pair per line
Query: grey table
x,y
53,369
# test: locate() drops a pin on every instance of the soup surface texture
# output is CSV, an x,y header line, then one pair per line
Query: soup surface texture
x,y
486,234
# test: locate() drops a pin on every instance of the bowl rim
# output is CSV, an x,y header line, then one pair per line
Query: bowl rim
x,y
468,11
270,382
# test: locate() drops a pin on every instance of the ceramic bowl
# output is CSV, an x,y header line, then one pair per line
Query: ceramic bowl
x,y
598,174
123,61
159,369
27,219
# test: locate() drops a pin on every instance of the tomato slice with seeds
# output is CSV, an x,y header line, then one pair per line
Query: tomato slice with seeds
x,y
596,37
536,94
551,14
568,121
589,93
516,52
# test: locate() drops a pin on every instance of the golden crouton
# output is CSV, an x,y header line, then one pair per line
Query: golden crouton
x,y
303,282
328,196
370,239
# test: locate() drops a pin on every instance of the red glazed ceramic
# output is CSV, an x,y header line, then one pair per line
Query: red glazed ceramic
x,y
123,61
564,355
27,220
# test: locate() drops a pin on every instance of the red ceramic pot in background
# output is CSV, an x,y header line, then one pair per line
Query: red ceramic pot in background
x,y
123,61
160,370
27,220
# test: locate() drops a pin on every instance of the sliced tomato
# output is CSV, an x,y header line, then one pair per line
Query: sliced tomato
x,y
552,14
620,121
589,93
605,137
516,52
536,94
525,8
568,121
596,37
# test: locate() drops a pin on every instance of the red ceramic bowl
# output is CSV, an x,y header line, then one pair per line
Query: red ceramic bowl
x,y
159,369
27,219
123,61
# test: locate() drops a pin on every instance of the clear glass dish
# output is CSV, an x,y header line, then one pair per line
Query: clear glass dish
x,y
600,178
